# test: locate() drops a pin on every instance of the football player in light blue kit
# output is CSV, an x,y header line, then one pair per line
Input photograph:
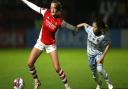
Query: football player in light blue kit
x,y
97,48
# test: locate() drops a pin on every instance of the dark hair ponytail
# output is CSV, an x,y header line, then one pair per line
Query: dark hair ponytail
x,y
101,25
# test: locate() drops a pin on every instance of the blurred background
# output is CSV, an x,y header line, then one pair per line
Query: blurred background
x,y
20,26
19,30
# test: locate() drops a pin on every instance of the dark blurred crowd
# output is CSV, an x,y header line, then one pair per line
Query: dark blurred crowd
x,y
114,12
15,15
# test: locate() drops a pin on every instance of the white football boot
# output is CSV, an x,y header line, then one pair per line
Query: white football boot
x,y
37,84
67,86
98,87
110,86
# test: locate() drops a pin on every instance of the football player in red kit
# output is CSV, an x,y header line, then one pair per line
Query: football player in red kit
x,y
52,20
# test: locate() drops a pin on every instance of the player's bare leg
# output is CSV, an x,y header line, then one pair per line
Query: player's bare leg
x,y
55,61
35,53
102,71
96,76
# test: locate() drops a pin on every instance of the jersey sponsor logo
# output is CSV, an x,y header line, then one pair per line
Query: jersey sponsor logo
x,y
50,25
91,44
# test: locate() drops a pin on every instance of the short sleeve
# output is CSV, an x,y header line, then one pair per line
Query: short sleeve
x,y
88,28
106,41
43,10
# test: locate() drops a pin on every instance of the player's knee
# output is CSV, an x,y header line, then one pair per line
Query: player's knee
x,y
57,69
30,64
99,67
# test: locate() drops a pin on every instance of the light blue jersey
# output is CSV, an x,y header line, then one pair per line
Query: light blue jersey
x,y
95,44
95,48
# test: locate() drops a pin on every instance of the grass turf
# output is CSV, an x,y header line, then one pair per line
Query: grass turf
x,y
13,63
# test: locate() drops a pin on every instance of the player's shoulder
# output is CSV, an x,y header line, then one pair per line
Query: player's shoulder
x,y
59,17
59,21
47,12
43,8
89,29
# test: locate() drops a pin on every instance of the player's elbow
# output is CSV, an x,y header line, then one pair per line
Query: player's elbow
x,y
109,45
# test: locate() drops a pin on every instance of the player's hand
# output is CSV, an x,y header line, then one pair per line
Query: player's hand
x,y
77,28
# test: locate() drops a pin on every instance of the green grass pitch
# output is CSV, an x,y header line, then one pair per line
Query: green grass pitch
x,y
13,63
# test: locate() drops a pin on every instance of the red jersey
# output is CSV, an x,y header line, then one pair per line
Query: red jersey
x,y
49,28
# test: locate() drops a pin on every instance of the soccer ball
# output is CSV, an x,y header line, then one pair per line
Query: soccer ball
x,y
18,83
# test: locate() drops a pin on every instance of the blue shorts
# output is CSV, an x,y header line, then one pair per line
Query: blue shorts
x,y
92,60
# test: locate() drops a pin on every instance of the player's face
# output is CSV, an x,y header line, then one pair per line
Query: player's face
x,y
96,30
94,25
53,9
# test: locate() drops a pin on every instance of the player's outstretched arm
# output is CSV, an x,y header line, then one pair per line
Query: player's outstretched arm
x,y
68,26
82,25
34,7
104,54
106,50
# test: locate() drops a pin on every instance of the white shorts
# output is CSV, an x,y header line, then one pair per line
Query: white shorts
x,y
42,46
98,56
